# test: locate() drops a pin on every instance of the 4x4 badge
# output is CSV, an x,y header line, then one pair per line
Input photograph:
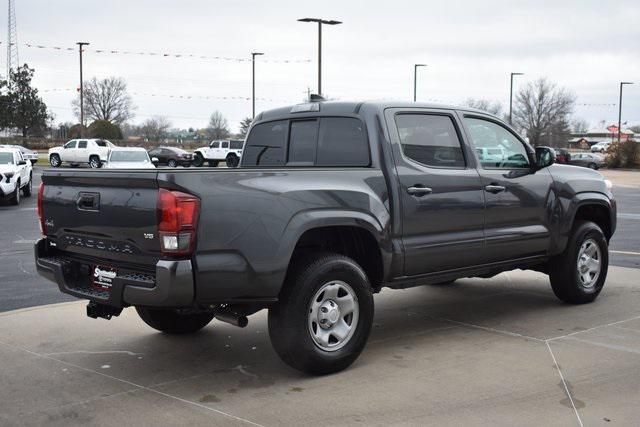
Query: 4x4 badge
x,y
148,235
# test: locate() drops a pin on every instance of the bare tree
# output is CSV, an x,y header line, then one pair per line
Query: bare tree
x,y
579,126
542,111
155,128
218,126
491,107
106,99
245,124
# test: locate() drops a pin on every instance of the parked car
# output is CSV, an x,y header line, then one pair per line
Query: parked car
x,y
16,175
332,202
129,158
81,151
228,151
563,155
601,147
589,160
30,155
492,154
172,156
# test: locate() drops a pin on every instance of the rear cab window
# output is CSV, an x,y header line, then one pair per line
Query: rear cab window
x,y
308,142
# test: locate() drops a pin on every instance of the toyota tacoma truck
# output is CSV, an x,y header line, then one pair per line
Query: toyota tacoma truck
x,y
332,202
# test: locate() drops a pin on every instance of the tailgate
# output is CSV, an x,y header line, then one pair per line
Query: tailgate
x,y
109,215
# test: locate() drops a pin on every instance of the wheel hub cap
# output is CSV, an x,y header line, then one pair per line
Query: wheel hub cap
x,y
589,263
333,315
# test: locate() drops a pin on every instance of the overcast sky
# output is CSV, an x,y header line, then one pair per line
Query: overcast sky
x,y
470,47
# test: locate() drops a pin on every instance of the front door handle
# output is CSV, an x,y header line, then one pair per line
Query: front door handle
x,y
419,191
495,189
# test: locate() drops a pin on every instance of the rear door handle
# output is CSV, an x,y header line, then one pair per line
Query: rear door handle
x,y
419,191
495,189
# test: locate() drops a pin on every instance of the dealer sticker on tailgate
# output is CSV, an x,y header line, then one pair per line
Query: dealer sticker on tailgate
x,y
103,276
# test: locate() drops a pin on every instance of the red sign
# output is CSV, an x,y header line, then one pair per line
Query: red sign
x,y
613,128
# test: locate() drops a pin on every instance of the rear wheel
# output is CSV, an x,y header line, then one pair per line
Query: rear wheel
x,y
578,274
55,161
28,189
322,320
593,166
232,161
173,321
94,162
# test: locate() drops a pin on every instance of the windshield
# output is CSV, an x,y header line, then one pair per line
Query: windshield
x,y
129,156
6,158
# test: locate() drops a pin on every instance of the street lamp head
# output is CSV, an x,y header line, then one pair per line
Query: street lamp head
x,y
626,83
421,65
257,53
517,74
320,21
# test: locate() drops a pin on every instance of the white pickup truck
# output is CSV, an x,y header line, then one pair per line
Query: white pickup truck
x,y
93,152
15,175
217,151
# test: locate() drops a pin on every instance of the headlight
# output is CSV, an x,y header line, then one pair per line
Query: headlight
x,y
609,184
8,176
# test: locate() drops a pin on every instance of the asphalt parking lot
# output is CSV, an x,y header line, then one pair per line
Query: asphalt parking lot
x,y
500,350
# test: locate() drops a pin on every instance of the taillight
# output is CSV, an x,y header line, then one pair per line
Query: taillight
x,y
177,221
40,211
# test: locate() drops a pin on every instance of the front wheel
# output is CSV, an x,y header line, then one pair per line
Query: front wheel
x,y
322,320
173,321
198,160
172,163
578,274
15,199
593,166
28,189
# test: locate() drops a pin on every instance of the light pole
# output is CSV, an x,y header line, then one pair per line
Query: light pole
x,y
253,83
80,45
511,95
620,109
320,22
415,79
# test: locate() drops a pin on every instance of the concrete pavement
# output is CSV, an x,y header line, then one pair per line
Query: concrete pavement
x,y
498,351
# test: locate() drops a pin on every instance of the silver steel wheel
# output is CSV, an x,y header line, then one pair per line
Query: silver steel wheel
x,y
333,315
94,163
589,263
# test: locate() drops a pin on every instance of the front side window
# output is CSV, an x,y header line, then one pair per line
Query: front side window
x,y
497,148
430,139
225,144
215,144
70,144
266,144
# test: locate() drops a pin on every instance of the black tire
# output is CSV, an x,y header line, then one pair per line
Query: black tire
x,y
566,282
290,326
171,321
94,162
593,166
15,199
28,189
214,163
54,160
446,283
172,163
232,161
198,160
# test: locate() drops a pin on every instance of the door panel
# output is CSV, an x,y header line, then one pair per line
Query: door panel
x,y
441,196
516,196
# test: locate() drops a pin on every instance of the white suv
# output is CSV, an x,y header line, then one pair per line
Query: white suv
x,y
78,151
600,147
227,151
15,175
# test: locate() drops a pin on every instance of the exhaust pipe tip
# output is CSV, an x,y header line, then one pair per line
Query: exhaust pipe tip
x,y
232,318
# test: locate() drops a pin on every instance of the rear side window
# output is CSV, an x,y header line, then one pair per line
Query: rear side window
x,y
266,145
101,143
82,144
342,141
235,145
430,139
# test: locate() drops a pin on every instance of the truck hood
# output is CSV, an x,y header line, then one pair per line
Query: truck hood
x,y
8,168
575,179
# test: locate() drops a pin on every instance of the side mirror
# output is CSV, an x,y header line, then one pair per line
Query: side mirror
x,y
545,156
22,162
155,161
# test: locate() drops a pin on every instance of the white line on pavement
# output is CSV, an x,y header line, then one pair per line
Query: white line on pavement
x,y
564,383
625,253
629,215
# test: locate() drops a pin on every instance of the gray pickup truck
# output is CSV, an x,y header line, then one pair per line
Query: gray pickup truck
x,y
332,202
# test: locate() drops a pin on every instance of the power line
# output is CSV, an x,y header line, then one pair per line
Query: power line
x,y
178,55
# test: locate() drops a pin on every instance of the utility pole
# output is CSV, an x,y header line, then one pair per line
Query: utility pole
x,y
620,109
415,80
253,83
12,40
320,22
80,45
511,95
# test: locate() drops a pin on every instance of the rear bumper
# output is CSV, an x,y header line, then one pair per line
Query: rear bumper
x,y
171,285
